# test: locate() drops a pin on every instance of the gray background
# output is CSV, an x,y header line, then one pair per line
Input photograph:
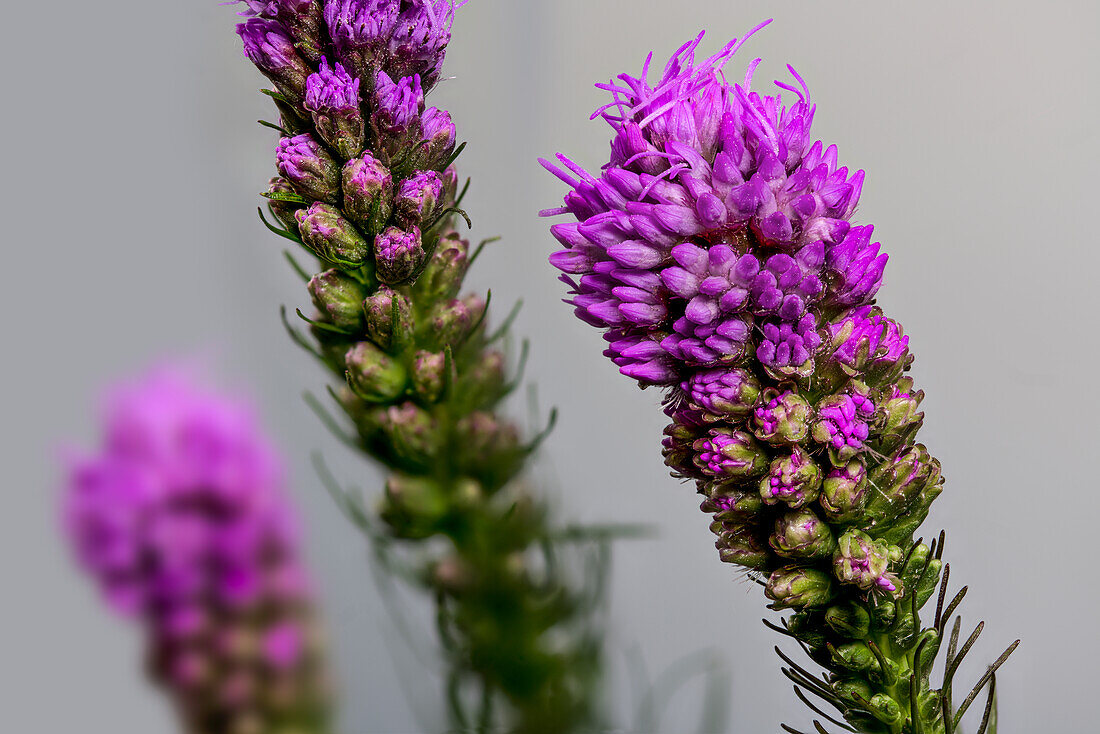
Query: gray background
x,y
131,166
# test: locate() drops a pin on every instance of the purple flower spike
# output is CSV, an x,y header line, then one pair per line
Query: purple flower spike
x,y
857,266
268,45
183,522
720,192
332,96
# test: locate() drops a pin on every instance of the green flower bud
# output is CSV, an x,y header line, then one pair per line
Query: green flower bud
x,y
389,317
806,626
794,479
413,506
368,193
450,323
898,416
339,298
677,449
374,375
844,492
330,237
793,587
899,483
887,710
283,210
783,418
863,562
741,543
484,381
856,691
729,501
849,619
854,656
883,611
442,278
413,434
427,375
488,442
801,534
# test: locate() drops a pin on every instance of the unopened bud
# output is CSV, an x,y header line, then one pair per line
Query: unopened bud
x,y
368,192
844,492
413,506
849,619
794,587
801,534
487,440
332,97
283,210
374,375
899,415
442,278
794,479
330,237
427,376
731,502
743,544
723,392
272,50
438,134
484,381
450,323
842,422
397,254
413,434
854,656
865,343
900,482
396,117
863,562
309,168
729,453
418,199
389,317
339,298
784,417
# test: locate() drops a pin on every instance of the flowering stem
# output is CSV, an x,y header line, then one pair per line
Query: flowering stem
x,y
716,249
367,187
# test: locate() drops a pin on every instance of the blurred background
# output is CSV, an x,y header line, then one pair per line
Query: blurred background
x,y
133,167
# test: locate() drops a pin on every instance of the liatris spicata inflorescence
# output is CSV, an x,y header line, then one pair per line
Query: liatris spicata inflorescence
x,y
182,520
367,187
716,251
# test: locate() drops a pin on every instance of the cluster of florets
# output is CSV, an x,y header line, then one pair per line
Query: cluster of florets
x,y
183,522
716,251
366,185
